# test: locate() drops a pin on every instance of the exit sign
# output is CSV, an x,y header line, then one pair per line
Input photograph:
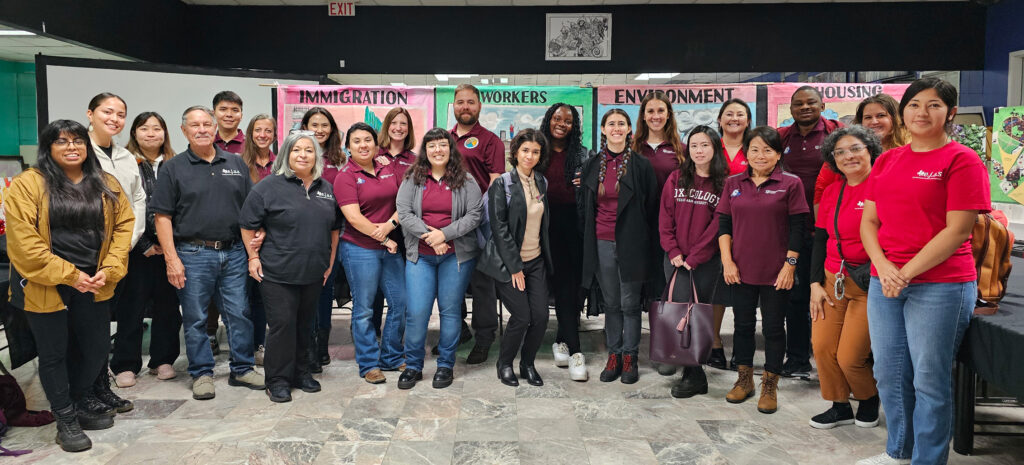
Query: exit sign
x,y
341,8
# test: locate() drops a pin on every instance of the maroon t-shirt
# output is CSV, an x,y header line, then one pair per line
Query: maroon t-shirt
x,y
608,204
802,157
483,153
375,196
558,192
437,210
662,158
264,171
401,161
687,223
235,145
330,171
760,222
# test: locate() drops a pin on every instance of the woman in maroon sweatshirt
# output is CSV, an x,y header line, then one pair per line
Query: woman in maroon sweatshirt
x,y
688,228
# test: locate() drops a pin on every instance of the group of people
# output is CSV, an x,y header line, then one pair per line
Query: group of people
x,y
788,220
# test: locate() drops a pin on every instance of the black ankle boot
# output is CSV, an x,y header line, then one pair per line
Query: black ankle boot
x,y
322,336
612,369
102,391
70,436
693,382
91,416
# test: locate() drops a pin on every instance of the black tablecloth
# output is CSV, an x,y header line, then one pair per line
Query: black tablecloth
x,y
994,344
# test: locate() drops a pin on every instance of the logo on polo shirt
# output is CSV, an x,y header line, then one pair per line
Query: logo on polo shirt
x,y
929,176
324,195
385,176
772,192
785,151
360,180
860,205
471,143
735,193
230,172
404,163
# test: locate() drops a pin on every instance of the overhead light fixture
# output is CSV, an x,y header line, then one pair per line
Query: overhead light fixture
x,y
484,81
649,76
441,77
504,80
14,32
398,83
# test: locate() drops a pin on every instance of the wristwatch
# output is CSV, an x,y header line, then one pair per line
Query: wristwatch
x,y
791,260
394,223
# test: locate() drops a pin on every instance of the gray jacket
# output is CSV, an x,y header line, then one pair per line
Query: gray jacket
x,y
467,212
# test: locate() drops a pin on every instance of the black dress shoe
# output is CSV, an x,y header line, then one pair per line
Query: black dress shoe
x,y
507,376
479,353
443,378
92,405
102,391
717,359
409,377
307,383
279,393
529,373
693,382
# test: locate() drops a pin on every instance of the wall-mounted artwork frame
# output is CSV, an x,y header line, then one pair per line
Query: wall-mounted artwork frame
x,y
578,37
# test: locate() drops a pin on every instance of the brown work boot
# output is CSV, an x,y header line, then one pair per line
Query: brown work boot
x,y
769,393
744,387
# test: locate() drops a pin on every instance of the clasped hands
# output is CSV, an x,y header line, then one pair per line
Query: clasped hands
x,y
86,283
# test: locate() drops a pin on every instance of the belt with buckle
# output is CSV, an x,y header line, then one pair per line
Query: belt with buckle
x,y
215,245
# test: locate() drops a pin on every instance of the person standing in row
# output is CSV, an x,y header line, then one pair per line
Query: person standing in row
x,y
619,205
519,218
439,206
366,191
921,205
397,141
802,152
145,285
562,127
70,226
198,196
259,137
689,228
734,122
762,215
839,313
297,210
484,156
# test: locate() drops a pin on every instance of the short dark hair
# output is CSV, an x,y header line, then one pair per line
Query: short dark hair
x,y
530,135
807,88
360,126
226,96
947,93
770,136
865,135
737,101
469,87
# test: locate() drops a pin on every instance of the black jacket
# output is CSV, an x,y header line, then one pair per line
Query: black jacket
x,y
148,238
636,223
508,227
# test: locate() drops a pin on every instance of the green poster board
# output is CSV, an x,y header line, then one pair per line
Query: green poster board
x,y
1006,169
507,109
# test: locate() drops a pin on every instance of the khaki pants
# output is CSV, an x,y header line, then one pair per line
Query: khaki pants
x,y
842,345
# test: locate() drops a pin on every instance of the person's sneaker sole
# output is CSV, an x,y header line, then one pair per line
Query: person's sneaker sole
x,y
204,396
97,424
68,448
687,395
759,409
817,425
865,424
236,383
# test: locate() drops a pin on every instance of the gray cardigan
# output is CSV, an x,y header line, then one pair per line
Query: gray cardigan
x,y
467,212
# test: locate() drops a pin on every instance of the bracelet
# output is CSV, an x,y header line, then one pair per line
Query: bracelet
x,y
254,258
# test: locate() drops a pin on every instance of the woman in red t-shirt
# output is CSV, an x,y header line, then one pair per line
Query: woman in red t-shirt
x,y
734,121
922,202
839,316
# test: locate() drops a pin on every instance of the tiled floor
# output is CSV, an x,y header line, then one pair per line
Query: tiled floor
x,y
475,421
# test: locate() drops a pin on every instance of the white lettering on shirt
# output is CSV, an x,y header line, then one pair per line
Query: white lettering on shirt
x,y
230,172
929,176
773,192
695,196
324,195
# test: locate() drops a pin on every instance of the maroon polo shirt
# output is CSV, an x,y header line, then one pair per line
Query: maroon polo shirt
x,y
662,158
375,196
265,170
802,156
558,192
330,171
608,204
760,222
483,153
401,161
437,210
234,145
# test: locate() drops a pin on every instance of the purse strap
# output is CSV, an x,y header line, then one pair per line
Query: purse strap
x,y
835,223
666,296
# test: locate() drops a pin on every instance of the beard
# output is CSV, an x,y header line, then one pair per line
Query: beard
x,y
467,119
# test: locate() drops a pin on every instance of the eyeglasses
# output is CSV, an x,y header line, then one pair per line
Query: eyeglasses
x,y
62,142
854,150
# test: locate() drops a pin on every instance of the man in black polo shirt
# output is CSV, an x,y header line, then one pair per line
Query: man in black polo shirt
x,y
197,199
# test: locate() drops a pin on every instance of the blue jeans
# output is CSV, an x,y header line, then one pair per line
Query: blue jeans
x,y
914,338
221,275
444,278
367,270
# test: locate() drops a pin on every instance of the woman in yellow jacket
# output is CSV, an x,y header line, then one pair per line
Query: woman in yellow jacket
x,y
69,228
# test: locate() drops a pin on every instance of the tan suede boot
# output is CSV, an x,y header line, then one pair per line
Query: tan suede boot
x,y
744,387
768,403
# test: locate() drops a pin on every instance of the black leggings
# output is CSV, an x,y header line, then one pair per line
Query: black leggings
x,y
567,255
144,286
773,313
73,345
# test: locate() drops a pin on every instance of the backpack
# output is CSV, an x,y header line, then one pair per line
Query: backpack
x,y
483,232
990,245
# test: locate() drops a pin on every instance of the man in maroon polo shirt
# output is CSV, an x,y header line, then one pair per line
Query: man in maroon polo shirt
x,y
483,153
227,109
802,156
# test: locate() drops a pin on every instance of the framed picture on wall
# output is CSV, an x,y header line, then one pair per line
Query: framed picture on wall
x,y
578,37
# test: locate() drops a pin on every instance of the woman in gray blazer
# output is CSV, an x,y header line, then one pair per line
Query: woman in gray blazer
x,y
439,206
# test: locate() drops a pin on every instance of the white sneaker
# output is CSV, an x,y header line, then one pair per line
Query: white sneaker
x,y
883,459
258,355
578,367
561,351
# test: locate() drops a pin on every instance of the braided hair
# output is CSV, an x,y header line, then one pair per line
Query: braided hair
x,y
627,153
574,145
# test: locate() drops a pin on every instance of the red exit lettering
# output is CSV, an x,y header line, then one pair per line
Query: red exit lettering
x,y
341,9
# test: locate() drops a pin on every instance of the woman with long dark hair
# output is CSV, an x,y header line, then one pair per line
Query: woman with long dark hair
x,y
619,205
688,228
562,127
439,206
69,226
146,285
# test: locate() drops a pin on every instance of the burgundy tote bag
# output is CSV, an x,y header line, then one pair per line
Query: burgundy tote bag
x,y
681,333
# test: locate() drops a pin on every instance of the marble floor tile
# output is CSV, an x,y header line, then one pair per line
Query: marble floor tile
x,y
352,453
550,390
546,452
541,429
623,428
426,429
241,430
304,429
375,408
363,429
755,454
734,431
688,454
160,431
318,406
141,453
419,453
487,429
480,408
528,407
671,431
489,452
150,409
613,451
594,409
205,453
431,406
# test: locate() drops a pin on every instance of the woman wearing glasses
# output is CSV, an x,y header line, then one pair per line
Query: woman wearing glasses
x,y
839,306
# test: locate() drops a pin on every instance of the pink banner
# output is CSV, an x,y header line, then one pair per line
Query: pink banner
x,y
840,99
352,104
695,104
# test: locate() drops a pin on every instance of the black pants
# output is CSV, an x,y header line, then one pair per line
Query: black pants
x,y
745,299
798,313
73,344
290,309
528,315
146,285
567,255
485,308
